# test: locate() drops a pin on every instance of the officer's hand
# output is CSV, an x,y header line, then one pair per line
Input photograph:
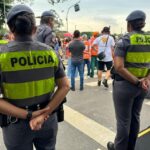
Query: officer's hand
x,y
40,112
145,83
37,122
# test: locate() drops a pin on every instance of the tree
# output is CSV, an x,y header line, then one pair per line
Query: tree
x,y
56,1
5,5
58,20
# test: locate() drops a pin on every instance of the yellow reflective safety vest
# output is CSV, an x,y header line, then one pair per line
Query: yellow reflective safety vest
x,y
3,42
28,75
137,59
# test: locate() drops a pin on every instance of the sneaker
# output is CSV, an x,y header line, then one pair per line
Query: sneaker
x,y
72,89
91,76
81,88
110,146
105,83
88,74
99,83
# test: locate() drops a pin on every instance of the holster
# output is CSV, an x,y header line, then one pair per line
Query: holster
x,y
60,111
3,120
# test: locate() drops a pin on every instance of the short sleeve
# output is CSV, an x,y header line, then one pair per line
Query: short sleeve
x,y
70,46
60,73
112,42
96,41
120,48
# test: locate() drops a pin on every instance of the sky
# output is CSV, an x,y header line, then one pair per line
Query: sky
x,y
95,14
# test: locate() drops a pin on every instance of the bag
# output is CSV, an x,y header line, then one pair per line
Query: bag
x,y
102,55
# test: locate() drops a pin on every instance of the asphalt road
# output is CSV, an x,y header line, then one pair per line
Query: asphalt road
x,y
89,118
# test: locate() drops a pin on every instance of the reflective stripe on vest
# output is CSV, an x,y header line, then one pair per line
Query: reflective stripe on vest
x,y
138,55
28,74
28,89
3,42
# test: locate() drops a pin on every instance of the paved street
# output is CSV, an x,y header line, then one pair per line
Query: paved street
x,y
89,118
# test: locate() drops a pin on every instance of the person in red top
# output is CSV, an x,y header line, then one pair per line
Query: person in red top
x,y
86,53
93,53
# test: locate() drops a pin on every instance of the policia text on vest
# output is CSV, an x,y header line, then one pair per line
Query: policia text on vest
x,y
35,60
141,39
26,60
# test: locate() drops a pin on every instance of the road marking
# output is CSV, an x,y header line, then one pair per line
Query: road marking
x,y
147,103
95,83
88,126
91,84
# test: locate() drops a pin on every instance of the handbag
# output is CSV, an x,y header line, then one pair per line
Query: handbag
x,y
102,55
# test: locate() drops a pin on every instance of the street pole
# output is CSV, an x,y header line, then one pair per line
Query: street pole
x,y
75,27
4,13
68,13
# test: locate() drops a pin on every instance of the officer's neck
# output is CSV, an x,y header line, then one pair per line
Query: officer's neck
x,y
23,38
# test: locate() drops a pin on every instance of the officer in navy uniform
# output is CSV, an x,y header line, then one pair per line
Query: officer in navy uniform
x,y
129,86
30,71
45,33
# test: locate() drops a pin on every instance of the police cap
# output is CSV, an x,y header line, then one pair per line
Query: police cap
x,y
135,15
14,11
47,13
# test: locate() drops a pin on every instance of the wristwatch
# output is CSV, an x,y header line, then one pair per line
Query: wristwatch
x,y
138,83
29,115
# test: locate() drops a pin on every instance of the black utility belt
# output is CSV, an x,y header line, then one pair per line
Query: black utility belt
x,y
36,106
6,120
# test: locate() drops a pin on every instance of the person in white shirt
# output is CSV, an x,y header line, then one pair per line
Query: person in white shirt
x,y
105,44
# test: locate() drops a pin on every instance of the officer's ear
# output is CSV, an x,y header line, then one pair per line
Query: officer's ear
x,y
129,27
34,30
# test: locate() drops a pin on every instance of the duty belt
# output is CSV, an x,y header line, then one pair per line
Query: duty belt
x,y
36,106
13,120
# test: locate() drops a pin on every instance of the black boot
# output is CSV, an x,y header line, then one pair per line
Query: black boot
x,y
81,88
105,83
72,88
110,146
99,83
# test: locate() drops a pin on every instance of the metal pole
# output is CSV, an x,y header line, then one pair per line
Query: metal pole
x,y
67,16
4,13
68,13
75,27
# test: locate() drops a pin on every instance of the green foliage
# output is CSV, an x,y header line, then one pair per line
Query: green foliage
x,y
3,7
6,5
52,2
89,34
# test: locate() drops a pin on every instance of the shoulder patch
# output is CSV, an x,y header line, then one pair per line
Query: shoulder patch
x,y
119,43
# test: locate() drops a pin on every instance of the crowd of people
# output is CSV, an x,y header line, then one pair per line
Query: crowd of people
x,y
82,52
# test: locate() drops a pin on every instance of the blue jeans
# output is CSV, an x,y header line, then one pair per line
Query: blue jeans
x,y
78,65
69,69
87,62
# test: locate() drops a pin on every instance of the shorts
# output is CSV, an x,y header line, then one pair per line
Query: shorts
x,y
102,64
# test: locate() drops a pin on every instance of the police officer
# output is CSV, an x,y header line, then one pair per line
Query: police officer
x,y
131,63
45,33
30,70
